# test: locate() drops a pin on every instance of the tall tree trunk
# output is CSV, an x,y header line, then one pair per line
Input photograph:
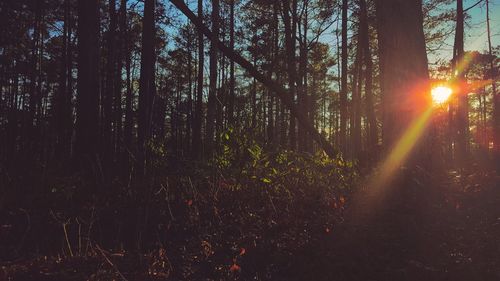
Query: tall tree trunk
x,y
127,131
273,108
117,95
198,115
189,122
343,81
147,88
63,99
403,64
290,32
305,102
495,95
109,92
230,112
253,95
356,102
87,108
30,120
212,91
372,132
462,120
221,88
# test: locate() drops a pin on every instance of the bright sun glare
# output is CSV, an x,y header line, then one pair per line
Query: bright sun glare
x,y
440,94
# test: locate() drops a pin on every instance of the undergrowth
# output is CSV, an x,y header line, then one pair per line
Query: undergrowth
x,y
245,213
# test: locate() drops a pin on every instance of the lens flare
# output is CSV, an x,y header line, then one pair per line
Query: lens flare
x,y
440,94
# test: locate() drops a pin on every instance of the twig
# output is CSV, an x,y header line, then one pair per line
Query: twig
x,y
110,262
79,237
64,230
91,223
193,188
477,3
168,200
67,239
272,203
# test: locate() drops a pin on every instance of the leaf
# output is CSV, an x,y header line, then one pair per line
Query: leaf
x,y
235,268
242,251
266,180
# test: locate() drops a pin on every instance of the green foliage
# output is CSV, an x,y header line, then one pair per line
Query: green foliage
x,y
242,157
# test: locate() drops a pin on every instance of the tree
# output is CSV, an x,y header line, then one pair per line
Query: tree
x,y
231,65
147,87
496,96
125,46
357,82
277,89
462,123
290,31
364,37
109,95
212,90
87,108
403,64
198,113
117,94
343,82
63,118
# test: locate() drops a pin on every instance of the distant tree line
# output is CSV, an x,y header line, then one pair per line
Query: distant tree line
x,y
104,84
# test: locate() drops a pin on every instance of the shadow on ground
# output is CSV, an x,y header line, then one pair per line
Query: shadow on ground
x,y
444,227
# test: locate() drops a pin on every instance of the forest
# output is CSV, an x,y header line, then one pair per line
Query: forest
x,y
249,140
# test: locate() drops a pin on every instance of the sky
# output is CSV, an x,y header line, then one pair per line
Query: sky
x,y
475,30
476,38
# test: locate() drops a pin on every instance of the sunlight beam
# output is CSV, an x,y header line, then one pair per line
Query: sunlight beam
x,y
401,150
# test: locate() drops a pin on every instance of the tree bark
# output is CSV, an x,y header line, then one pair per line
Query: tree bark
x,y
343,81
87,109
495,95
355,139
127,130
147,88
198,117
372,132
109,92
212,91
231,66
462,120
62,103
403,65
117,95
291,67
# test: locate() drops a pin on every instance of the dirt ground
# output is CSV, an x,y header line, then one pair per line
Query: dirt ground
x,y
447,229
428,227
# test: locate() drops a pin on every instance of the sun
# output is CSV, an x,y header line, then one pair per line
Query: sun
x,y
440,94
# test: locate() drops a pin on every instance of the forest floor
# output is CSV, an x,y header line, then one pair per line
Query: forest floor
x,y
445,229
448,229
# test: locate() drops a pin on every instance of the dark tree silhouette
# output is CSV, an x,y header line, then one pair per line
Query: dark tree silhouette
x,y
147,87
87,109
403,64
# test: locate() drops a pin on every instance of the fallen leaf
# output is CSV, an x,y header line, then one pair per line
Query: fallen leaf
x,y
235,268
